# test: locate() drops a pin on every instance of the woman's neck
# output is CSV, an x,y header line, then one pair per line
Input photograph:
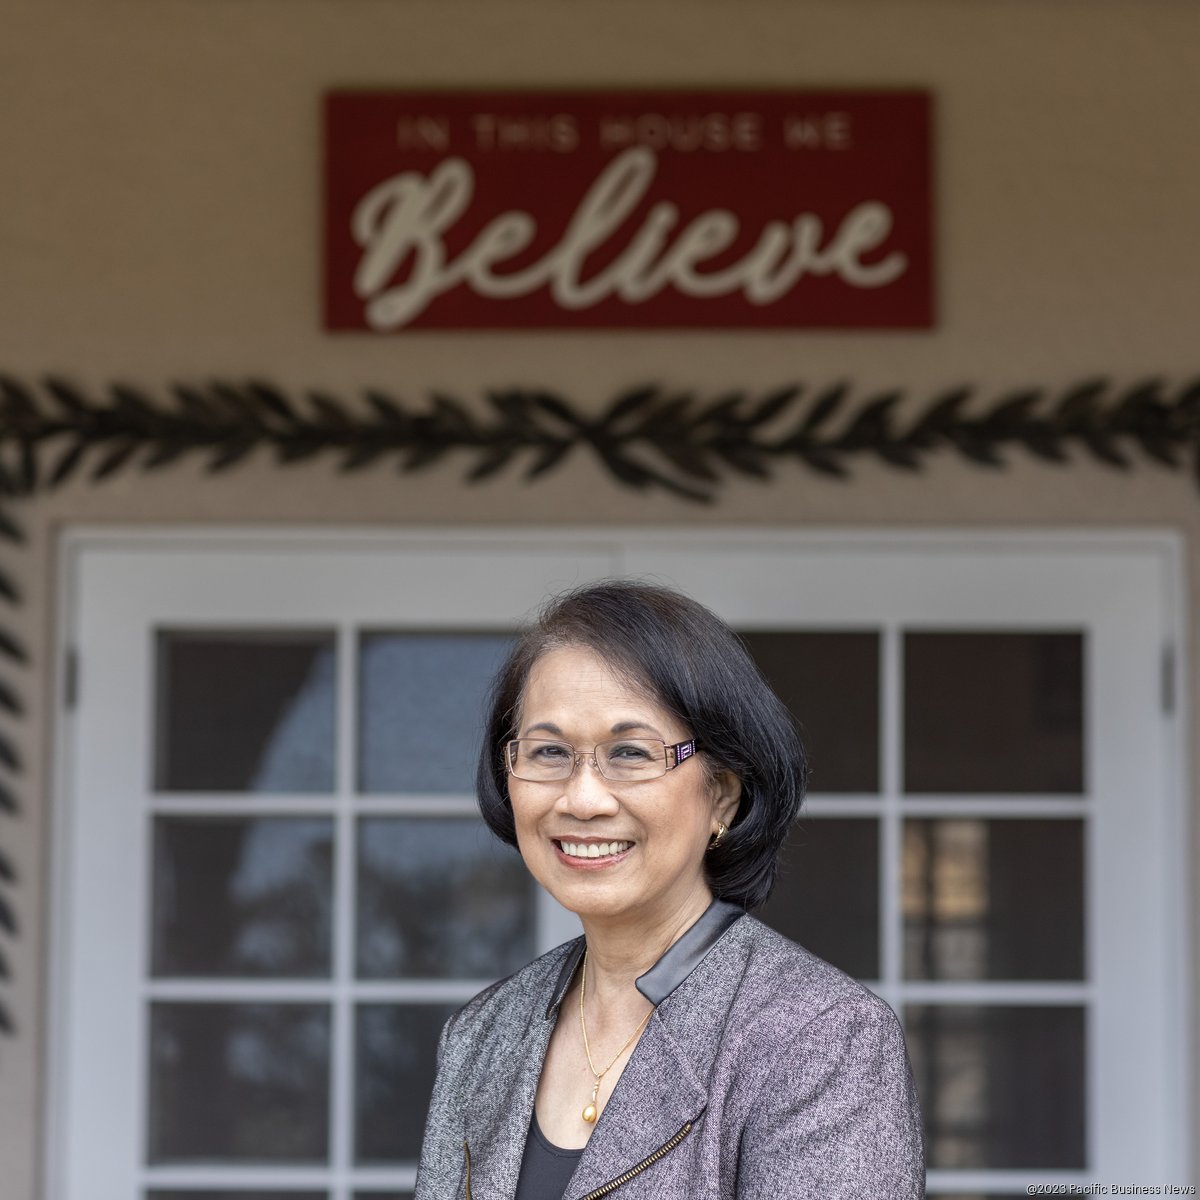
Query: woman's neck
x,y
618,952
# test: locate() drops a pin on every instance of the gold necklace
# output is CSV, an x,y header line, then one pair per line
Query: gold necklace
x,y
590,1113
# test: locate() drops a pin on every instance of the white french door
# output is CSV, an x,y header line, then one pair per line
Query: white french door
x,y
269,896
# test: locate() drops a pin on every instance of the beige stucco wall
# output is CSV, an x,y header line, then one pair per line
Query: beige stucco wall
x,y
160,221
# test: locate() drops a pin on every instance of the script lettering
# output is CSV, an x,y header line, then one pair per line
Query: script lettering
x,y
401,225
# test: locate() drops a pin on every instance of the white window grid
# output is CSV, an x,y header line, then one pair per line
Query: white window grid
x,y
342,991
340,1178
1171,826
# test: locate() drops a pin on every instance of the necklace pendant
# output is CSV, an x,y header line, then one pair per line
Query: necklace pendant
x,y
589,1113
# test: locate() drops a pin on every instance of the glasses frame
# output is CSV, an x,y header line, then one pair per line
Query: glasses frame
x,y
673,756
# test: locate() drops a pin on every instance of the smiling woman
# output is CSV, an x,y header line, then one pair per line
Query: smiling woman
x,y
680,1049
654,887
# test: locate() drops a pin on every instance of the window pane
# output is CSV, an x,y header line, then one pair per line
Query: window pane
x,y
239,1082
441,897
395,1062
173,1194
827,894
1001,1087
1000,899
245,712
830,681
993,712
421,700
236,896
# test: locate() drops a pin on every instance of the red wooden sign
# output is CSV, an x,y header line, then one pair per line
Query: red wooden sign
x,y
628,210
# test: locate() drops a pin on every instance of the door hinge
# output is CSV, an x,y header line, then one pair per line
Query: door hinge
x,y
1168,679
71,678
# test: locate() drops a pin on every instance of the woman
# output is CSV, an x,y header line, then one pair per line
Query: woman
x,y
680,1049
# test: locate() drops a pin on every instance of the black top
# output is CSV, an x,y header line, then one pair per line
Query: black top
x,y
546,1169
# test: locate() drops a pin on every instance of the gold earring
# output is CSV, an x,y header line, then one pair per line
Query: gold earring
x,y
722,830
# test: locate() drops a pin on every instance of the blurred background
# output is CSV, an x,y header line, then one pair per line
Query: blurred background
x,y
244,896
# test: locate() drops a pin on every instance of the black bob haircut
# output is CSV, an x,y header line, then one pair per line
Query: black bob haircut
x,y
688,660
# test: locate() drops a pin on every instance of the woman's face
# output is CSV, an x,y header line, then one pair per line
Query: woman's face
x,y
661,827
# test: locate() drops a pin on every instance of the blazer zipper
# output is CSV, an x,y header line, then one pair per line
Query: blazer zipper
x,y
612,1184
665,1148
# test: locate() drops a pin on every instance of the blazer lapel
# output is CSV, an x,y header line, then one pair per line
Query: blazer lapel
x,y
657,1094
497,1114
664,1086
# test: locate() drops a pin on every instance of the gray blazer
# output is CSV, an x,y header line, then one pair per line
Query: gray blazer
x,y
763,1073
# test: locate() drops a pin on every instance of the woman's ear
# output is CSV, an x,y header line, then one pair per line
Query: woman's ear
x,y
727,795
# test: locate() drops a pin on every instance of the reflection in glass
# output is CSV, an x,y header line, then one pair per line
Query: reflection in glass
x,y
421,699
245,711
441,897
993,899
1001,1088
242,896
174,1194
238,1082
827,893
830,681
395,1048
993,712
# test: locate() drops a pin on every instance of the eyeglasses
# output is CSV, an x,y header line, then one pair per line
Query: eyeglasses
x,y
625,760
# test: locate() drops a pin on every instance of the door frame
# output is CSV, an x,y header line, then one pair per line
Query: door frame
x,y
1167,548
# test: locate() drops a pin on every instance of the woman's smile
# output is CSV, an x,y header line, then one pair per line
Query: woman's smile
x,y
589,854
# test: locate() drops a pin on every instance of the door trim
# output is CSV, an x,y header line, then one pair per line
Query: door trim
x,y
1167,547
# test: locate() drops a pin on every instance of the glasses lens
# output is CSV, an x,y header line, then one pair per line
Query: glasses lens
x,y
529,758
630,759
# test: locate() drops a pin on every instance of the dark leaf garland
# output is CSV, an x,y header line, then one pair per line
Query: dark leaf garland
x,y
649,438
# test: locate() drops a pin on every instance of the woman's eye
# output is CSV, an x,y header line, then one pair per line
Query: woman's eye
x,y
549,753
629,752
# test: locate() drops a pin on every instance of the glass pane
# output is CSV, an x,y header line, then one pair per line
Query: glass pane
x,y
441,897
236,896
395,1062
174,1194
830,681
993,712
1000,899
240,1082
827,894
245,711
420,691
1001,1087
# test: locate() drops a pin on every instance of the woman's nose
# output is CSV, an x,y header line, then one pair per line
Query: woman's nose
x,y
587,792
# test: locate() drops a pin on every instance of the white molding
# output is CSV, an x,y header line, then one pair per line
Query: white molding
x,y
1182,817
344,914
322,991
891,701
351,537
1017,1182
56,1166
1000,991
1164,549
